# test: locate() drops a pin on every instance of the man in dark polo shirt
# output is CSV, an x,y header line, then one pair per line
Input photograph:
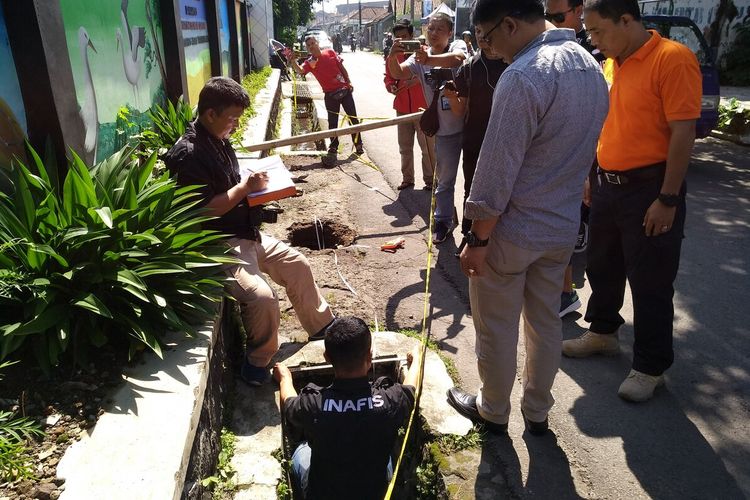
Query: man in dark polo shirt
x,y
569,14
204,157
472,99
349,428
638,202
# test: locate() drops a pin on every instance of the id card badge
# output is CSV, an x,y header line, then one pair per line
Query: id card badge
x,y
445,104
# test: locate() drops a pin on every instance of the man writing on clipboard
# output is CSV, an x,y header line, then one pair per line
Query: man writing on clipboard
x,y
203,156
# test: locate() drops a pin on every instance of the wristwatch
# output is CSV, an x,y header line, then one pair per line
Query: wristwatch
x,y
670,200
472,240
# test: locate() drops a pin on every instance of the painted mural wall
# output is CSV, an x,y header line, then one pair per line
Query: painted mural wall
x,y
224,39
715,18
195,40
12,114
116,55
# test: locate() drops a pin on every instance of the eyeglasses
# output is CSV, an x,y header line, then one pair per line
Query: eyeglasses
x,y
486,37
557,17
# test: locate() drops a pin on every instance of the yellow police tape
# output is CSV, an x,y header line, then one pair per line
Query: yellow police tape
x,y
425,307
425,336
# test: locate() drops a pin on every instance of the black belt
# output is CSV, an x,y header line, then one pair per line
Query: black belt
x,y
634,174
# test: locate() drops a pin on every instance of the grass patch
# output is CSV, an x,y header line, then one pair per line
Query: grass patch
x,y
253,83
283,489
222,484
450,366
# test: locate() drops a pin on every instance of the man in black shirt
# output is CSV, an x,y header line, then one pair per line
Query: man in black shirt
x,y
568,14
204,157
473,88
349,428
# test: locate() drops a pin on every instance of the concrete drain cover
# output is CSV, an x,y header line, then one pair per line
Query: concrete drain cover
x,y
320,234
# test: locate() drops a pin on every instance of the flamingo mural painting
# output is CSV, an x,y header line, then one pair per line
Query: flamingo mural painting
x,y
115,49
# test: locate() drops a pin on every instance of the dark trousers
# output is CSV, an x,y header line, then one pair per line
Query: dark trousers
x,y
333,106
619,249
471,156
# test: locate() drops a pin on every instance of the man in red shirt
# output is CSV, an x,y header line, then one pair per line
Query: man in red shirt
x,y
410,99
326,66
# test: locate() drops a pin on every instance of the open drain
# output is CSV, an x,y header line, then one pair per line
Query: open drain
x,y
320,234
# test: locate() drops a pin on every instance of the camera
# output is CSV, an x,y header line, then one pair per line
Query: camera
x,y
410,46
270,213
436,77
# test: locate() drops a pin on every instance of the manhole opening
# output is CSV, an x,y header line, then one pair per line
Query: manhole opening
x,y
321,234
411,484
304,120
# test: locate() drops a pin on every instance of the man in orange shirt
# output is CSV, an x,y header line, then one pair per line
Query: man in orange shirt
x,y
638,201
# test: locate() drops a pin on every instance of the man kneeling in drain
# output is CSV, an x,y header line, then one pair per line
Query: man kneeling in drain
x,y
348,429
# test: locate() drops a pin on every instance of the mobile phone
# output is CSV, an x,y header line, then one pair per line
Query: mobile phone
x,y
410,46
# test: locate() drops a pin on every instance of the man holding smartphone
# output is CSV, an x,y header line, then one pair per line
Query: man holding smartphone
x,y
409,98
441,53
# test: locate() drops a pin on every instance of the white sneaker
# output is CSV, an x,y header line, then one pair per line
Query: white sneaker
x,y
591,343
638,387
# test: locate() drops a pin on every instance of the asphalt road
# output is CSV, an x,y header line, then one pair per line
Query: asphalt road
x,y
693,439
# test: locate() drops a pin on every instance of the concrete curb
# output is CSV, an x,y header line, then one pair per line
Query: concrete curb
x,y
140,447
261,126
742,140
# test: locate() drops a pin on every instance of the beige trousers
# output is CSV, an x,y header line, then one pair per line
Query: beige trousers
x,y
259,304
517,282
406,132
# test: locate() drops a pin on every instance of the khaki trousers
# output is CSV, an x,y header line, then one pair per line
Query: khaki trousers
x,y
406,132
517,282
259,304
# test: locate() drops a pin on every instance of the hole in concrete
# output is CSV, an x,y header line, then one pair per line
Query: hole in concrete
x,y
325,233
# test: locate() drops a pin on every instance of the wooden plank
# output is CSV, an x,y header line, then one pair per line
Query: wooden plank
x,y
325,134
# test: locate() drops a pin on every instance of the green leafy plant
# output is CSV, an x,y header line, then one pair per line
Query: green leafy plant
x,y
734,118
113,254
169,124
283,488
222,483
253,83
15,462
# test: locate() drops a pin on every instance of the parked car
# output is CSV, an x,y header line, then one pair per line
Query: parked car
x,y
324,41
683,30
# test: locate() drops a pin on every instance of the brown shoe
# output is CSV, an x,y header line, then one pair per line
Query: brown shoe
x,y
591,343
405,185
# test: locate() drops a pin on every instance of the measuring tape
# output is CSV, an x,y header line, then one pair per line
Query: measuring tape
x,y
425,334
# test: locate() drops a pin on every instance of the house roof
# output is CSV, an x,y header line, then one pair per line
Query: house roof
x,y
368,14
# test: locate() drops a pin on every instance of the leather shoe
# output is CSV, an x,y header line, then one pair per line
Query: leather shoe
x,y
466,404
535,428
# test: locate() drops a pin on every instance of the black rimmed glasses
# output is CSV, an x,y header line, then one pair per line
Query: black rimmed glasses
x,y
486,37
557,17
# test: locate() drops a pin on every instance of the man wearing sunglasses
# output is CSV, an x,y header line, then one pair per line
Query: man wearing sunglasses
x,y
567,14
547,111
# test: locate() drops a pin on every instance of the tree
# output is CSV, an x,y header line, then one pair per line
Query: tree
x,y
287,15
